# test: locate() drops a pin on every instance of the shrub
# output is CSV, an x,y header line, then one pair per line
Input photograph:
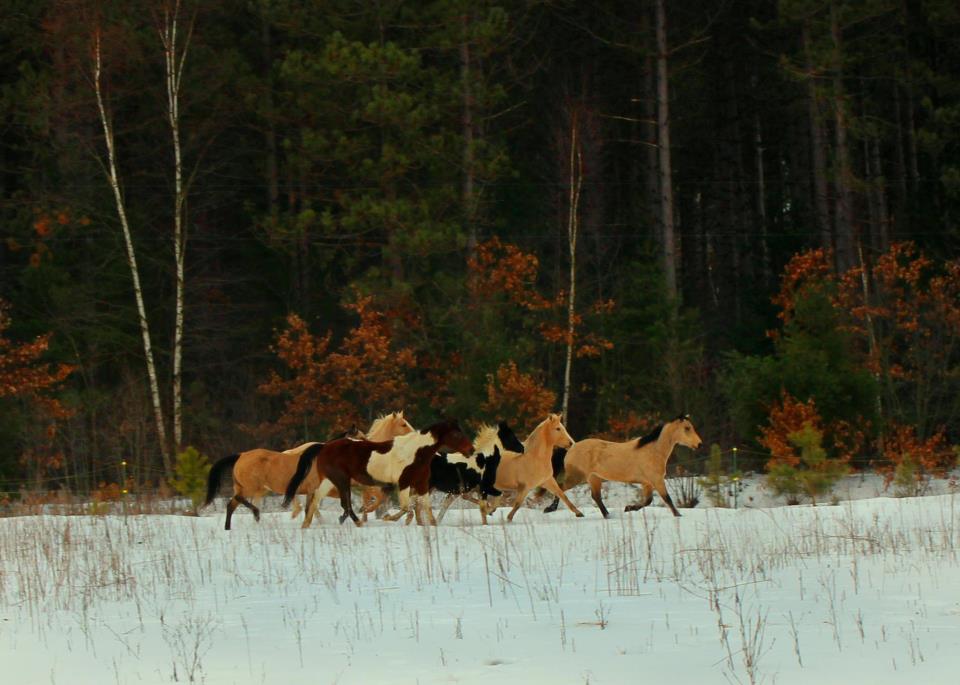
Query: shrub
x,y
190,475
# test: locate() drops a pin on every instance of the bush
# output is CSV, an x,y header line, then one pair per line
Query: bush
x,y
714,483
814,475
190,475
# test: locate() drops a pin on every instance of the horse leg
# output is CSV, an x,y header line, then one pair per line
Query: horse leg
x,y
647,498
342,483
322,491
571,479
424,501
596,490
665,496
296,508
483,511
447,501
552,485
521,495
256,512
404,497
552,506
312,508
231,506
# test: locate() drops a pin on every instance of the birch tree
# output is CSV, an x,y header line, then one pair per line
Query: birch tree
x,y
175,57
110,170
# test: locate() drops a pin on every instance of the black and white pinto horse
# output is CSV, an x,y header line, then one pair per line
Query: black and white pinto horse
x,y
470,476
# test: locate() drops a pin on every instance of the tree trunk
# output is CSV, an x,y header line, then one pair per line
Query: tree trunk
x,y
469,201
766,268
174,60
818,152
112,178
573,227
270,135
844,214
667,238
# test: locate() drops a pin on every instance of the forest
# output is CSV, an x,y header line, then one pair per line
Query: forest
x,y
237,223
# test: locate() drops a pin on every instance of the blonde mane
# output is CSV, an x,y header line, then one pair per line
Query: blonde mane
x,y
536,433
381,421
487,437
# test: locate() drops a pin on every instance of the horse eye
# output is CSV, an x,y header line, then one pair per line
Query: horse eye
x,y
687,428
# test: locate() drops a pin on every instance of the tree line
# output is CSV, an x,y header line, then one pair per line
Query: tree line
x,y
250,222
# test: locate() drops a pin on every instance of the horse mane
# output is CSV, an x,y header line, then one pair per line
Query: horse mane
x,y
441,427
379,421
652,436
535,433
487,438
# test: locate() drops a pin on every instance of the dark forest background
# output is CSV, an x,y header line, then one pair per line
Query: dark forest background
x,y
379,200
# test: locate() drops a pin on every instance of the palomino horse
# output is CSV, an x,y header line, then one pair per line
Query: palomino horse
x,y
259,471
642,461
385,427
460,476
377,463
524,472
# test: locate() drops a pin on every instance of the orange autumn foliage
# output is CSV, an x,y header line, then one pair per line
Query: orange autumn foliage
x,y
518,396
789,416
365,376
932,456
502,269
23,375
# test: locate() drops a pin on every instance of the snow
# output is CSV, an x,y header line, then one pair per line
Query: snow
x,y
864,591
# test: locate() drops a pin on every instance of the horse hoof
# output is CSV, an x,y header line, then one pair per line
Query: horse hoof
x,y
579,514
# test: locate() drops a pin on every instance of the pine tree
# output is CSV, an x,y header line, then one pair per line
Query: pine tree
x,y
190,475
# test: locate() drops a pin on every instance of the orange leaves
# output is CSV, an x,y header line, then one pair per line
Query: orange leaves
x,y
21,373
517,395
805,269
367,373
501,269
786,418
930,457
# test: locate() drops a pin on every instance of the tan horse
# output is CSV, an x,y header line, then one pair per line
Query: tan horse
x,y
639,460
260,471
522,473
385,427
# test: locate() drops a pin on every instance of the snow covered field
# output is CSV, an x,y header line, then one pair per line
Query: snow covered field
x,y
866,591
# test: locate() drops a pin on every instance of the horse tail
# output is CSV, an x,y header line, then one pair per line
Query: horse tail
x,y
303,468
216,474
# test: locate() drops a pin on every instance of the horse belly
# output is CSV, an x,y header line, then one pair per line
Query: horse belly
x,y
385,469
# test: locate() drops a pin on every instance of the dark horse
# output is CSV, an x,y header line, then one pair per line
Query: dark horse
x,y
377,463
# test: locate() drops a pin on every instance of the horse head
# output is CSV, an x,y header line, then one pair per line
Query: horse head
x,y
556,433
400,425
449,436
684,433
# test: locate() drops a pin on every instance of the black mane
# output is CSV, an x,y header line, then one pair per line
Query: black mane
x,y
652,436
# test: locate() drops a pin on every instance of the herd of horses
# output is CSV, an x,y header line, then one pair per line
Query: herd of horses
x,y
393,455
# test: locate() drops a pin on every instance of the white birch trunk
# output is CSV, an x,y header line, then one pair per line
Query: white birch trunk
x,y
573,227
174,60
111,173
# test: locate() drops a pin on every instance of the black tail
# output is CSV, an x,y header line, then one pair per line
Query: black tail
x,y
216,474
559,455
303,468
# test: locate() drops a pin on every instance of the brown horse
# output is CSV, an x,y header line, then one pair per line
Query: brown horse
x,y
385,427
377,463
259,471
524,472
639,460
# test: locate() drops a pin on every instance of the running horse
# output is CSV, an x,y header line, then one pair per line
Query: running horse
x,y
534,468
638,460
259,471
339,462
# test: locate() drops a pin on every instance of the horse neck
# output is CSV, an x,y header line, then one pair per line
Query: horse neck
x,y
536,444
663,446
379,429
411,442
